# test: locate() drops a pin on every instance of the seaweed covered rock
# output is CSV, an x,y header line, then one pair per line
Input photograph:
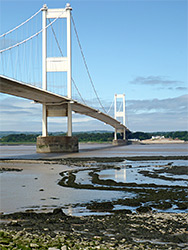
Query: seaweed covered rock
x,y
144,209
101,206
162,205
59,212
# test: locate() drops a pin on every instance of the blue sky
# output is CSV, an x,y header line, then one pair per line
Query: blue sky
x,y
134,47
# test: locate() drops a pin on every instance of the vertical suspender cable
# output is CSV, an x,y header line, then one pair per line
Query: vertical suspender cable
x,y
85,63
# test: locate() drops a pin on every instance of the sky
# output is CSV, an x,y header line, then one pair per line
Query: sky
x,y
136,47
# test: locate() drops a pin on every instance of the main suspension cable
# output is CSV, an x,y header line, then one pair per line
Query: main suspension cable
x,y
8,32
31,37
85,63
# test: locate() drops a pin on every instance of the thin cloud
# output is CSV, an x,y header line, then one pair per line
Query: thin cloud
x,y
174,105
154,80
178,88
182,88
158,115
157,121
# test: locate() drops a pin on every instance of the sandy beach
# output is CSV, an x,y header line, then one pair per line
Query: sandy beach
x,y
163,141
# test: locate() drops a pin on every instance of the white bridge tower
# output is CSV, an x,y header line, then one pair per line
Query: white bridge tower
x,y
56,64
119,113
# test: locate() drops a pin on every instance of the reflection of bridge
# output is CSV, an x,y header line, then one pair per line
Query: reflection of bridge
x,y
54,105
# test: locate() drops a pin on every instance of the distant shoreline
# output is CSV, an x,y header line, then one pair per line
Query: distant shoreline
x,y
163,141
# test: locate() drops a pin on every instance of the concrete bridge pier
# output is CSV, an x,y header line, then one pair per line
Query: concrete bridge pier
x,y
119,142
57,144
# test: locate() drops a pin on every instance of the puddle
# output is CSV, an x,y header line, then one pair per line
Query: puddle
x,y
133,173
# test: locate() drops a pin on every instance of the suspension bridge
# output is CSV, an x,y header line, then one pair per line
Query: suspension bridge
x,y
36,67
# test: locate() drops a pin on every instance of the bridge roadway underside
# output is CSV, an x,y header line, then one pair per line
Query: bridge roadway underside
x,y
56,104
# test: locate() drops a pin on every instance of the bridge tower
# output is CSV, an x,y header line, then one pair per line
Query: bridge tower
x,y
119,113
57,64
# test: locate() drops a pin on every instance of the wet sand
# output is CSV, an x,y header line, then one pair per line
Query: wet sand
x,y
30,186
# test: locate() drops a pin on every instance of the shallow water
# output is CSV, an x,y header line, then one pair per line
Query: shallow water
x,y
36,187
21,190
132,175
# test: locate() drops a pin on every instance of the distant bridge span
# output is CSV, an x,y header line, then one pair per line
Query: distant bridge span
x,y
57,105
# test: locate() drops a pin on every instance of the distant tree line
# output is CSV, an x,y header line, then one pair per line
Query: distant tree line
x,y
19,138
138,135
96,137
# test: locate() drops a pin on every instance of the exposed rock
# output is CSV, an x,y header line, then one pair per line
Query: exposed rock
x,y
101,206
162,205
63,248
143,209
58,211
53,248
34,245
115,231
182,205
123,211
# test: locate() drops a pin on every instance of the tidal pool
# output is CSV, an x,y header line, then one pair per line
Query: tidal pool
x,y
133,172
87,186
149,185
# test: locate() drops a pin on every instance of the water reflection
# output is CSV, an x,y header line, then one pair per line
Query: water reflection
x,y
120,175
70,210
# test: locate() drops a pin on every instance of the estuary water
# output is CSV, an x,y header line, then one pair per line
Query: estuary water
x,y
96,150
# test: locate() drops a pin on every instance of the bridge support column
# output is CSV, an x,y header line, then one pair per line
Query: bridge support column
x,y
115,134
44,121
124,135
69,118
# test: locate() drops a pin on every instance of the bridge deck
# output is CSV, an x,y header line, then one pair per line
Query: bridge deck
x,y
53,101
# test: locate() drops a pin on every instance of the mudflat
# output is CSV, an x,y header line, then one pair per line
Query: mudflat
x,y
123,203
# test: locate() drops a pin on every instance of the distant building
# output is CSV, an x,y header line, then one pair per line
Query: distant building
x,y
158,137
